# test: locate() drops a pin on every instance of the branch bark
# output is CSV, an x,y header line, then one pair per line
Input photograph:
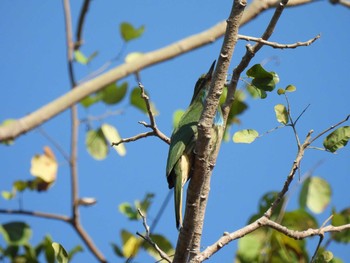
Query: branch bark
x,y
48,111
188,244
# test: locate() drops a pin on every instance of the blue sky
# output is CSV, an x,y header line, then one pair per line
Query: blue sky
x,y
34,72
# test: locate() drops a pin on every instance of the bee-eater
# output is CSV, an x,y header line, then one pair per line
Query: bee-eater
x,y
183,140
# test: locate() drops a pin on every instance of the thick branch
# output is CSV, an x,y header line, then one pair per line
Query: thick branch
x,y
183,46
190,234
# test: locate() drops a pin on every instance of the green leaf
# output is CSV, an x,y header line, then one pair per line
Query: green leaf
x,y
324,256
117,250
145,203
286,249
60,253
139,103
299,220
316,193
20,185
340,219
96,144
262,79
128,32
131,244
112,135
162,242
82,59
238,107
249,246
264,203
16,233
75,250
89,100
304,193
337,139
291,88
46,244
5,123
245,136
127,210
281,114
255,92
8,195
113,94
176,117
281,91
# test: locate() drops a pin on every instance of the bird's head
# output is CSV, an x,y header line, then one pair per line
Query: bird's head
x,y
203,82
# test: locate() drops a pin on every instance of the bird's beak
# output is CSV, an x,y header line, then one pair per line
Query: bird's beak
x,y
211,71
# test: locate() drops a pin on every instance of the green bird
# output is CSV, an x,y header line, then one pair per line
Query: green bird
x,y
183,140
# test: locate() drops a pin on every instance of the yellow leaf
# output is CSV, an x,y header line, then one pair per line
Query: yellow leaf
x,y
131,244
112,135
44,166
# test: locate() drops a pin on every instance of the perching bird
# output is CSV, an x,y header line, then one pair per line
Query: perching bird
x,y
183,140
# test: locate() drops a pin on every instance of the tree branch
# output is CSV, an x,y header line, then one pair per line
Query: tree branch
x,y
82,16
261,222
148,239
75,220
189,239
36,214
155,131
279,45
48,111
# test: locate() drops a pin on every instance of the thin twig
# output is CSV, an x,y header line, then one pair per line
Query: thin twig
x,y
301,114
75,221
148,239
82,16
54,143
279,45
155,131
102,116
330,128
37,214
292,123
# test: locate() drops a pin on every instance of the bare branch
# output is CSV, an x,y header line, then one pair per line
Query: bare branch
x,y
264,222
279,45
36,214
148,239
330,128
155,131
82,16
183,46
134,138
102,116
75,221
54,142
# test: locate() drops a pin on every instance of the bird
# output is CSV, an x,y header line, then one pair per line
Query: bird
x,y
183,140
